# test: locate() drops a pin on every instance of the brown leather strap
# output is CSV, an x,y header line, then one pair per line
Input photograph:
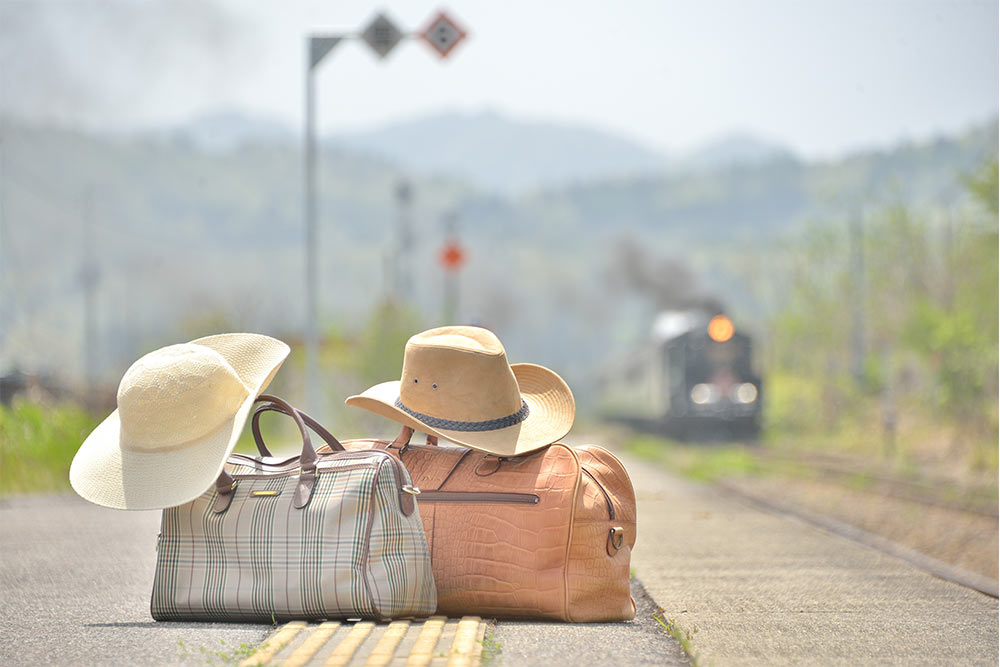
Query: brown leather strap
x,y
282,408
403,439
224,487
255,428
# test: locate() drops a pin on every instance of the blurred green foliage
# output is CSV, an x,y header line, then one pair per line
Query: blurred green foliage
x,y
350,361
374,353
698,462
37,445
38,441
889,331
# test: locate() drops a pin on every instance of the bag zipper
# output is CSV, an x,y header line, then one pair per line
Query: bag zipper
x,y
257,464
289,473
477,497
292,464
607,498
398,469
289,463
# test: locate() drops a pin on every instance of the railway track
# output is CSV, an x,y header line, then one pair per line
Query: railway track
x,y
855,476
933,493
933,566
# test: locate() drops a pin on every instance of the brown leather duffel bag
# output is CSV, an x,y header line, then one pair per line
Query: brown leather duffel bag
x,y
546,535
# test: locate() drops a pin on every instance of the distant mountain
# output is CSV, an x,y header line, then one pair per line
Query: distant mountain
x,y
760,202
738,149
227,131
506,156
190,239
491,152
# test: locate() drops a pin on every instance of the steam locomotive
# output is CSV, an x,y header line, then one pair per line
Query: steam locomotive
x,y
694,379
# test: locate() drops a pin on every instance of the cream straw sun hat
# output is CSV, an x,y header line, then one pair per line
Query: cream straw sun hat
x,y
457,385
180,411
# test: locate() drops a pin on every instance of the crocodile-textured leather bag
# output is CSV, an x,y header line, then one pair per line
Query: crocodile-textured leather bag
x,y
333,535
547,535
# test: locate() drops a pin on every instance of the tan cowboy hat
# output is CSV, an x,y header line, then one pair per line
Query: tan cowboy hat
x,y
458,385
180,411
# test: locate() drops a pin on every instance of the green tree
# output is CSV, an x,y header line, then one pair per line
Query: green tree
x,y
929,296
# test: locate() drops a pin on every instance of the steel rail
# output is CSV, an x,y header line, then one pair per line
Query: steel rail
x,y
932,566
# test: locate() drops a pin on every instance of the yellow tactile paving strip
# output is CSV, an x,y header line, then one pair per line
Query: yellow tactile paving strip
x,y
278,639
434,642
423,650
304,653
383,652
348,646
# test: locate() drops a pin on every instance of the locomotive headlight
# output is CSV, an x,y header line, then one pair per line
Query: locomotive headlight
x,y
720,328
745,393
702,394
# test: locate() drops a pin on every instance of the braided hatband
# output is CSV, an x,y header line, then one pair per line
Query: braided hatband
x,y
452,425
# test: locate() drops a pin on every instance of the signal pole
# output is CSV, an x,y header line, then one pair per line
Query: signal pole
x,y
442,34
452,258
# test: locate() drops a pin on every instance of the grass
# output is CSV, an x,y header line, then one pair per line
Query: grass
x,y
220,655
37,445
697,462
802,415
683,637
492,648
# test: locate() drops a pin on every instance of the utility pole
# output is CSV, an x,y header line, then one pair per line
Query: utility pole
x,y
89,280
403,246
856,234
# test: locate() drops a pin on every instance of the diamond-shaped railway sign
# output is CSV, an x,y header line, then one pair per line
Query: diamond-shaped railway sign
x,y
382,35
319,47
443,34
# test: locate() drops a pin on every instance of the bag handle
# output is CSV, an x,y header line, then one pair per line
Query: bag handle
x,y
402,440
273,405
225,484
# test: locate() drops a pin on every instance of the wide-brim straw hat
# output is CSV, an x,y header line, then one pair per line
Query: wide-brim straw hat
x,y
458,385
180,412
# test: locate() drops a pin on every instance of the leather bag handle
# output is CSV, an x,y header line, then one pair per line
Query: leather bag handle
x,y
402,440
225,484
283,408
482,469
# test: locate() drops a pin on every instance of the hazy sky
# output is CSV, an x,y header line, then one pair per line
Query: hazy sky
x,y
822,77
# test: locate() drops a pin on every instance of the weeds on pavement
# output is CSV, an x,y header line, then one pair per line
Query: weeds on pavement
x,y
221,655
492,648
682,636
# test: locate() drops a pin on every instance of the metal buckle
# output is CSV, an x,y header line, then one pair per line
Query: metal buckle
x,y
412,490
616,540
486,473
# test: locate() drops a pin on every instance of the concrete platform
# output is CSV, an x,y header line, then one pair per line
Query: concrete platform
x,y
755,588
746,587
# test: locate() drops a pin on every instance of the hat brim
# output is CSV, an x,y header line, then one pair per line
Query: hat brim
x,y
107,473
551,410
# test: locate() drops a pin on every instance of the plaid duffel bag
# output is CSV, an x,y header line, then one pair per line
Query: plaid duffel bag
x,y
336,535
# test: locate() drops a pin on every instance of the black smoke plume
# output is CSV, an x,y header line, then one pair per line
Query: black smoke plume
x,y
668,282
